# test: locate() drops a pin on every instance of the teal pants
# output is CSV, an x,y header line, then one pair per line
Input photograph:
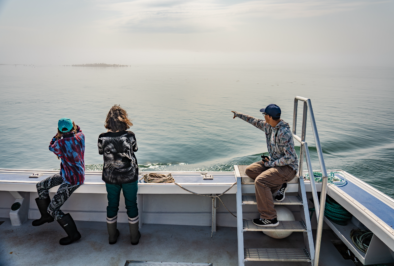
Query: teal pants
x,y
130,198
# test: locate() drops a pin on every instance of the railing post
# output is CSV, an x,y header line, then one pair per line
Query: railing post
x,y
303,135
312,180
301,161
319,211
240,234
319,232
317,140
323,193
304,116
295,116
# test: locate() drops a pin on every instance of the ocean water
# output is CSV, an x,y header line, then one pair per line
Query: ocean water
x,y
182,114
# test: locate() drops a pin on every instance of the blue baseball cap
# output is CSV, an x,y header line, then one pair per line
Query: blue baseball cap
x,y
65,124
272,110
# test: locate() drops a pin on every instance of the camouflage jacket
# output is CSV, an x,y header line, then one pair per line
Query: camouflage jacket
x,y
280,142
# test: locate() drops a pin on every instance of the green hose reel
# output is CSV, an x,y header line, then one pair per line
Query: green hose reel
x,y
335,212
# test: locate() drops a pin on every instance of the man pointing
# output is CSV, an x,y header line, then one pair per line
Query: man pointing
x,y
272,174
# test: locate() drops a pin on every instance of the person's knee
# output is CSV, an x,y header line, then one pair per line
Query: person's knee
x,y
132,214
50,212
291,176
113,208
132,211
254,170
250,171
259,182
131,207
113,205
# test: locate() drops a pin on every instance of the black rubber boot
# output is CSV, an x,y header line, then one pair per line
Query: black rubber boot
x,y
113,233
134,233
42,205
69,226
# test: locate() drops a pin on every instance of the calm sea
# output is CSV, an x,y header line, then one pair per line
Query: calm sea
x,y
182,114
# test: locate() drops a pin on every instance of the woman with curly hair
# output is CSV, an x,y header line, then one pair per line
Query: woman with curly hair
x,y
120,171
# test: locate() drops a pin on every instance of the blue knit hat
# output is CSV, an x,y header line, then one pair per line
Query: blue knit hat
x,y
65,124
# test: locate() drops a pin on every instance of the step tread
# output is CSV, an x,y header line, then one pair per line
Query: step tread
x,y
289,200
292,226
277,254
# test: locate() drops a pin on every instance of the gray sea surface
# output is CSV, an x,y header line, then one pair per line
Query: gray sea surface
x,y
182,114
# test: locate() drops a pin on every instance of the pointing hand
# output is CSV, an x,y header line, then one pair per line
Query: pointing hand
x,y
234,114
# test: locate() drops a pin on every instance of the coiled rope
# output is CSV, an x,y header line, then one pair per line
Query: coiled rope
x,y
332,178
361,239
334,212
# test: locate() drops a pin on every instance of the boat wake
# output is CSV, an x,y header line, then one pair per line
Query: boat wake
x,y
226,164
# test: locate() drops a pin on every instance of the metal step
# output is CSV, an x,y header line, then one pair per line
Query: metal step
x,y
277,254
289,200
286,226
152,263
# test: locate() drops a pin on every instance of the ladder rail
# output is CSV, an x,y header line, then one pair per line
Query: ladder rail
x,y
310,246
313,184
240,233
308,104
306,229
320,218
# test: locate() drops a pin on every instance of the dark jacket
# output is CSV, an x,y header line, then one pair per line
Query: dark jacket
x,y
120,163
71,150
280,142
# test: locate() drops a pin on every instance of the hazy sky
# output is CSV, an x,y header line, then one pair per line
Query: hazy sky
x,y
172,31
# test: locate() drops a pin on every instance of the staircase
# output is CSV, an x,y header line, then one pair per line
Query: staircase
x,y
245,196
245,186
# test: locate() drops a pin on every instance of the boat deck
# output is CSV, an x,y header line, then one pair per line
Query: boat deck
x,y
175,223
28,245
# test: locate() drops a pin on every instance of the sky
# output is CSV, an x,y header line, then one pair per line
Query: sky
x,y
331,32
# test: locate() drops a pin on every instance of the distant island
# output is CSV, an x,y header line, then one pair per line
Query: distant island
x,y
99,65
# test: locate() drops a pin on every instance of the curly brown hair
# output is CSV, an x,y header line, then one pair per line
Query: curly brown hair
x,y
117,119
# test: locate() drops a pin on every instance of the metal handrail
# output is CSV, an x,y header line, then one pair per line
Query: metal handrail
x,y
304,151
313,185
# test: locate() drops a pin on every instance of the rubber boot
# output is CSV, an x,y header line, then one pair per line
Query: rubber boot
x,y
134,233
113,233
68,224
42,205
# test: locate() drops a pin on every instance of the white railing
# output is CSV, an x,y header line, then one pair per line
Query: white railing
x,y
304,151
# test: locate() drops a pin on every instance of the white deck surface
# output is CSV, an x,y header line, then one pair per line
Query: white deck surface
x,y
28,245
18,180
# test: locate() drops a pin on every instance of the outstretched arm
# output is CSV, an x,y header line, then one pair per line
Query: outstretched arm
x,y
259,123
